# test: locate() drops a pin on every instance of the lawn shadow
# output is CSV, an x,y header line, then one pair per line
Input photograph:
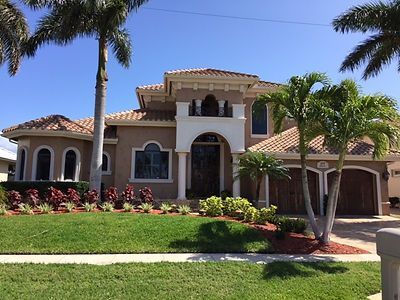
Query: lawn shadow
x,y
295,269
218,237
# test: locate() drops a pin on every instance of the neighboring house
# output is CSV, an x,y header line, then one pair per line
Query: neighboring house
x,y
188,135
7,164
394,181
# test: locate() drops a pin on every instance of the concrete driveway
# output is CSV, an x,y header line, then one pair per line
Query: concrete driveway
x,y
360,231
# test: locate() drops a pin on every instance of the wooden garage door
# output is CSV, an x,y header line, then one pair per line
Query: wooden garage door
x,y
287,195
357,193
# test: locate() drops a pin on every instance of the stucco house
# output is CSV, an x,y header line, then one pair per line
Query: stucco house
x,y
186,138
7,164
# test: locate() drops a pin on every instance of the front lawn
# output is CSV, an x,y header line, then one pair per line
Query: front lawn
x,y
126,233
282,280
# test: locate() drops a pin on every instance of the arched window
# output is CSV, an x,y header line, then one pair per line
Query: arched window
x,y
259,120
106,164
210,106
43,164
151,163
70,165
21,165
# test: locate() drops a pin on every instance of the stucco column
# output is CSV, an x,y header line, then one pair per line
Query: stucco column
x,y
198,107
235,169
221,108
182,175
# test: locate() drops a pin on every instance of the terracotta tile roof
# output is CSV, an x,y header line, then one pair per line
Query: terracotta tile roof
x,y
152,87
143,115
288,142
209,72
267,84
52,123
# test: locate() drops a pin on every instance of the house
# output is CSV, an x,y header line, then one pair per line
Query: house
x,y
186,138
394,180
7,164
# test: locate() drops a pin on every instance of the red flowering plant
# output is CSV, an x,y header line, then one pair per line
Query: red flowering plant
x,y
73,196
14,198
55,197
91,196
146,195
32,197
111,194
128,195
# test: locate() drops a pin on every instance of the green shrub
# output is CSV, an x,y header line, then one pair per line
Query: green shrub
x,y
89,206
250,214
266,215
300,225
3,196
25,209
43,186
233,206
146,207
286,224
3,210
212,206
184,209
127,207
45,208
70,206
165,207
107,206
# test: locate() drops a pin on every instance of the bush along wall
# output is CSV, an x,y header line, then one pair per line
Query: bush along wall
x,y
43,186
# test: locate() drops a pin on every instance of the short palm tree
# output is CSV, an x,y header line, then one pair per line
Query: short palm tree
x,y
257,165
14,32
383,21
292,102
102,20
346,116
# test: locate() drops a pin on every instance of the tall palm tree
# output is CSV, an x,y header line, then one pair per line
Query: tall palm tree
x,y
292,102
345,116
14,31
102,20
257,165
382,20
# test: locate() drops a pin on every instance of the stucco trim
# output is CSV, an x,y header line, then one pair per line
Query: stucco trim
x,y
77,163
335,157
142,123
34,163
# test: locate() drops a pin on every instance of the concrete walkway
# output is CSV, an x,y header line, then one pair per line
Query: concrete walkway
x,y
107,259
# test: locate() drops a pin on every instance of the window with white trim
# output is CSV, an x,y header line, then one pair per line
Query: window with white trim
x,y
43,164
259,120
152,163
71,164
106,164
22,164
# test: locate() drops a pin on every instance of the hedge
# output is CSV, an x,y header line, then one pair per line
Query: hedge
x,y
42,186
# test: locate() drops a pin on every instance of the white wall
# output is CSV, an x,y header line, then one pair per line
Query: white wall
x,y
3,171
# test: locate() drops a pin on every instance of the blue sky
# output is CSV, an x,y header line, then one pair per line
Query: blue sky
x,y
61,80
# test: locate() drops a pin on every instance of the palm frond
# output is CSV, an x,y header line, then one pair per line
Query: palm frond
x,y
120,43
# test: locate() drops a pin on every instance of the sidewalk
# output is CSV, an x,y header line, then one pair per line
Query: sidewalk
x,y
107,259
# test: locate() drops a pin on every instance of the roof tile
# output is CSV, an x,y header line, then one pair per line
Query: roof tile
x,y
209,72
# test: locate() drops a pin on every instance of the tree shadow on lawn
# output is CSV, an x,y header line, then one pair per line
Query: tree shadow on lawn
x,y
295,269
221,237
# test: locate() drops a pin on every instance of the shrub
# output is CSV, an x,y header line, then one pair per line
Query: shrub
x,y
285,224
3,196
14,198
91,196
225,194
235,207
107,207
25,209
250,214
128,195
55,197
89,206
266,215
146,195
127,207
165,207
70,206
111,194
73,196
299,225
146,207
45,208
3,210
212,206
32,197
184,209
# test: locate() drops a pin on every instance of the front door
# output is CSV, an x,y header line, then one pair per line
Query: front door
x,y
205,170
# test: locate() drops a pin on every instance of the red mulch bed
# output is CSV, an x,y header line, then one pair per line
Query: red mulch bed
x,y
293,243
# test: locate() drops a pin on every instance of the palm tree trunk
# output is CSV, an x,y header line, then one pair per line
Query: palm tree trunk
x,y
99,111
333,198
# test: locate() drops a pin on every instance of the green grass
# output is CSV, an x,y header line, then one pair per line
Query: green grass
x,y
191,281
126,233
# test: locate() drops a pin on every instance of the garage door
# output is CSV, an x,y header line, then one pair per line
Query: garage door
x,y
357,193
287,195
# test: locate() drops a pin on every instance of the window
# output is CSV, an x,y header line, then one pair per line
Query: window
x,y
259,120
43,164
151,164
106,164
71,163
396,173
22,164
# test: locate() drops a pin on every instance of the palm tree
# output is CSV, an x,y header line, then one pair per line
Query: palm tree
x,y
383,21
14,31
257,165
346,116
102,20
292,102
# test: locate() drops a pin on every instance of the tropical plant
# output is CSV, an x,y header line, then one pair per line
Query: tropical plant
x,y
146,207
184,209
45,208
107,206
266,215
146,195
89,206
346,116
14,32
55,197
127,207
25,209
111,194
251,214
14,198
292,102
3,210
257,165
70,206
235,207
212,206
73,196
128,195
91,196
379,18
165,207
32,197
3,196
102,20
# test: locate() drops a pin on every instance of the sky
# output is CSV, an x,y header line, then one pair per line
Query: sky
x,y
61,80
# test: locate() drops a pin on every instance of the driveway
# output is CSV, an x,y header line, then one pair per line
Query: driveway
x,y
360,231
